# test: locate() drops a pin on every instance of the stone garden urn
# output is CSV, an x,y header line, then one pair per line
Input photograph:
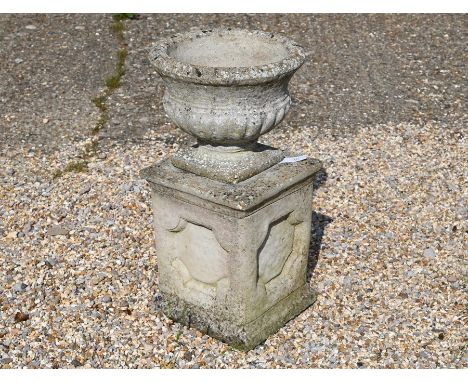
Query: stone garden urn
x,y
232,219
227,88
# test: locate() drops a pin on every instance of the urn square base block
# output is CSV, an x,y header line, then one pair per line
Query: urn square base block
x,y
233,257
227,167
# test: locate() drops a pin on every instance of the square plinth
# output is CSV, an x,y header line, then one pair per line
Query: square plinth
x,y
233,257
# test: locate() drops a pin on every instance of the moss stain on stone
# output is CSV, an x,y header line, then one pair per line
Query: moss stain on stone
x,y
78,166
111,84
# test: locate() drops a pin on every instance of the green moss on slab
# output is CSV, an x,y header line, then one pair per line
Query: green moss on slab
x,y
114,81
122,55
100,123
91,149
238,346
100,102
125,16
117,27
78,166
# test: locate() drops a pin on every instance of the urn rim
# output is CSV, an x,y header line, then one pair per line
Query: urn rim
x,y
169,66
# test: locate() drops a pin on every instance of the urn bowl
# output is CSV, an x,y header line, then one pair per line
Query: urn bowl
x,y
226,87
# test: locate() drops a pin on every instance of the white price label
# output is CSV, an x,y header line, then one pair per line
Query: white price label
x,y
294,159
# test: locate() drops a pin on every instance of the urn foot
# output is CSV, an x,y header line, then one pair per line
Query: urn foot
x,y
228,164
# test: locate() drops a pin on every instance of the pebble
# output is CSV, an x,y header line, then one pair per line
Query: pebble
x,y
126,187
18,60
452,279
57,230
85,190
12,235
347,282
30,27
27,228
424,354
51,262
76,363
6,360
19,287
188,356
361,329
429,253
20,317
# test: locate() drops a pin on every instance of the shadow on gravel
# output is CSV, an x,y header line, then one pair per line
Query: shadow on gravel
x,y
317,230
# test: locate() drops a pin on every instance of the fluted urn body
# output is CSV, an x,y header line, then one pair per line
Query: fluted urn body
x,y
227,88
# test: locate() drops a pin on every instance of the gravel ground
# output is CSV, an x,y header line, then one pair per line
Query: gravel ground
x,y
381,102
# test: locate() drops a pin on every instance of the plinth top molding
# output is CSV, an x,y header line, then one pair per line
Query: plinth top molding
x,y
241,197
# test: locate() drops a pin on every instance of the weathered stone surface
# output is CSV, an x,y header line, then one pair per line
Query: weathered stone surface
x,y
226,166
235,199
233,258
